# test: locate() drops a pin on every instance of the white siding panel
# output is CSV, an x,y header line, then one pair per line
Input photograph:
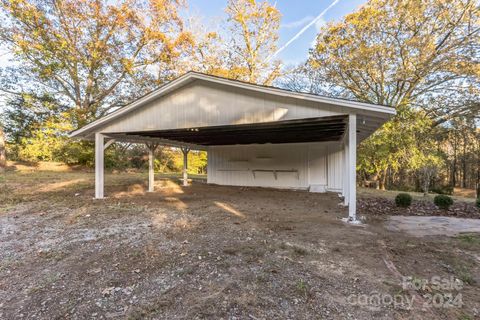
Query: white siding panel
x,y
335,167
206,104
317,165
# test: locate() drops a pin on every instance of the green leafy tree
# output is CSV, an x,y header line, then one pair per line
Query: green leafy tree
x,y
45,141
36,129
25,113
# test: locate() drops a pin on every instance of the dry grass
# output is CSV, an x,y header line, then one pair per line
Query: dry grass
x,y
465,193
38,166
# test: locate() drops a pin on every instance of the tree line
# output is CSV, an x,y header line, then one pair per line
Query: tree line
x,y
75,61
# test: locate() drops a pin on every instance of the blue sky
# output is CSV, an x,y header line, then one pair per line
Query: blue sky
x,y
295,15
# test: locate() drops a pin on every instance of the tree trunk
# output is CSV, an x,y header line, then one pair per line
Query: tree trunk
x,y
478,183
478,177
464,161
427,177
376,178
390,177
3,156
478,166
383,179
454,164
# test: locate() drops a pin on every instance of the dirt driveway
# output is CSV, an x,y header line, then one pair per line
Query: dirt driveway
x,y
204,251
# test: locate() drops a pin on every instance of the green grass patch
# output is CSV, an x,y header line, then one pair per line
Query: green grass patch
x,y
463,273
303,288
300,251
469,239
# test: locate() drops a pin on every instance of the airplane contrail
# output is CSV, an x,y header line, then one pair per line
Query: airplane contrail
x,y
295,37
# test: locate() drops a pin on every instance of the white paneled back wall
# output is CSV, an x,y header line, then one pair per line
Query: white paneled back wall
x,y
295,166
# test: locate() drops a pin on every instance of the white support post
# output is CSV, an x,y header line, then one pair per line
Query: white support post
x,y
151,168
99,165
185,166
346,181
352,167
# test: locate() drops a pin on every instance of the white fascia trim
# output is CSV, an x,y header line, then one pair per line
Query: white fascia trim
x,y
186,78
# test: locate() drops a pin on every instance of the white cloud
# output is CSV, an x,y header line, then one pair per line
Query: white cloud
x,y
297,23
299,33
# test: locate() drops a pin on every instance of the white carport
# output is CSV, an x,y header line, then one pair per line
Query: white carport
x,y
254,135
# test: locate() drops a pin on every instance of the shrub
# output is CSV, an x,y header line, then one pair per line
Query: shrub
x,y
478,202
443,190
403,200
443,201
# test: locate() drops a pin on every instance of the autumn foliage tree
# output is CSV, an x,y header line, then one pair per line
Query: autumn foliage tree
x,y
87,52
403,54
89,56
394,52
243,52
254,29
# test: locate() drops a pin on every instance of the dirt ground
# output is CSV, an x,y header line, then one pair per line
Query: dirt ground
x,y
212,252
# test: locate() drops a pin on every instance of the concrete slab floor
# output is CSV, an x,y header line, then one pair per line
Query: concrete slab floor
x,y
432,226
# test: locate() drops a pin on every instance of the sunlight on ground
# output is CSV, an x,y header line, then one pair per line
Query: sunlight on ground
x,y
133,190
159,219
60,185
228,208
183,223
136,189
168,184
177,203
